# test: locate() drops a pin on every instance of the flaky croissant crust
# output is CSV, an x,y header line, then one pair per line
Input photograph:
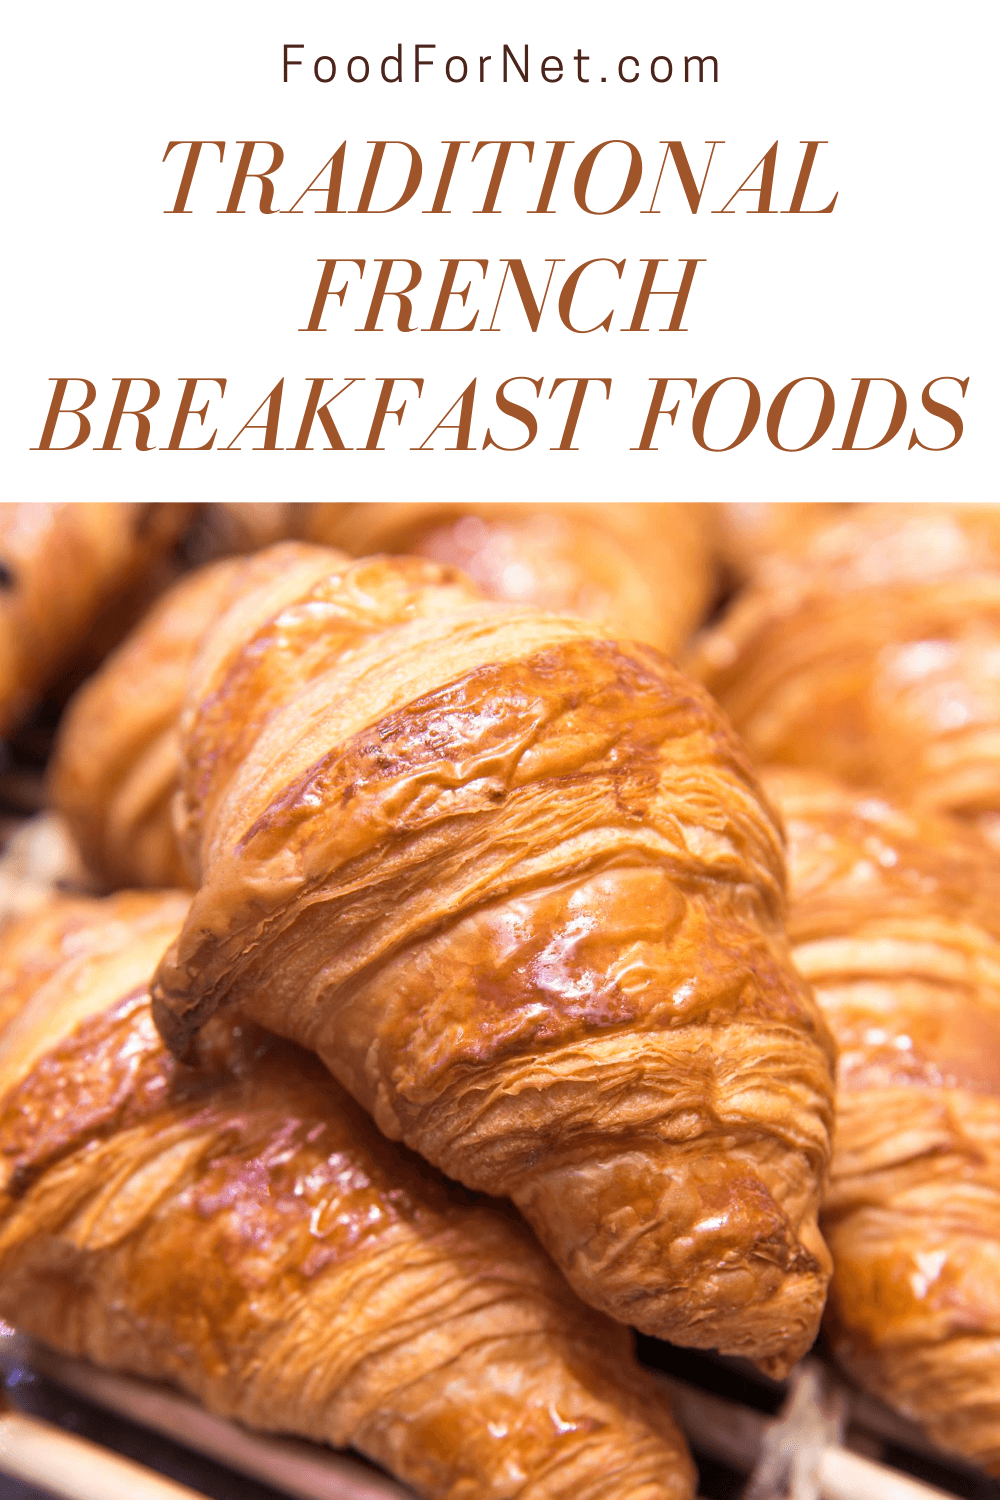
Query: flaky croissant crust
x,y
894,919
249,1235
515,883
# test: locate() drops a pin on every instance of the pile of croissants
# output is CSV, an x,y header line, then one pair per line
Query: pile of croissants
x,y
449,982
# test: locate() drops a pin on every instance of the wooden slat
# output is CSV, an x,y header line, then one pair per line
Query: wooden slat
x,y
303,1470
734,1434
72,1468
864,1412
721,1429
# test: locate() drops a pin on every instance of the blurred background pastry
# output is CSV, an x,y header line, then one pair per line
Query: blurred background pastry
x,y
648,571
872,651
895,920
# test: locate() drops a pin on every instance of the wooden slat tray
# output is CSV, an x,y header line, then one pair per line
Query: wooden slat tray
x,y
725,1432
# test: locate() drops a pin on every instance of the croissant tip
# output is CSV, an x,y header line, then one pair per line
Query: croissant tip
x,y
178,1034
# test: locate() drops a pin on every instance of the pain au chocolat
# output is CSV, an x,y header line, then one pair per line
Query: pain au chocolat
x,y
247,1234
514,882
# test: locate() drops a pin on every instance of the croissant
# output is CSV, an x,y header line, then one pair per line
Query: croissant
x,y
61,568
514,882
874,654
894,919
248,1235
645,570
114,769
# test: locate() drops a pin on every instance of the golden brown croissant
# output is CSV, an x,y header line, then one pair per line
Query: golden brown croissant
x,y
894,918
874,654
114,770
646,570
249,1236
61,566
515,883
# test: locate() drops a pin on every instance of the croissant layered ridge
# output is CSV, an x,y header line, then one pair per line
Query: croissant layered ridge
x,y
647,571
514,882
872,652
894,919
247,1234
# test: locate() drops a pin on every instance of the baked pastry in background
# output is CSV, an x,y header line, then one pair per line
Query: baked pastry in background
x,y
234,528
62,568
515,884
249,1236
646,571
38,859
874,653
894,919
114,769
751,534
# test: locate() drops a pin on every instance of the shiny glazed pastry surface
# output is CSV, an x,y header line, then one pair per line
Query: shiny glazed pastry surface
x,y
114,770
61,565
895,920
248,1235
644,570
514,882
874,653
